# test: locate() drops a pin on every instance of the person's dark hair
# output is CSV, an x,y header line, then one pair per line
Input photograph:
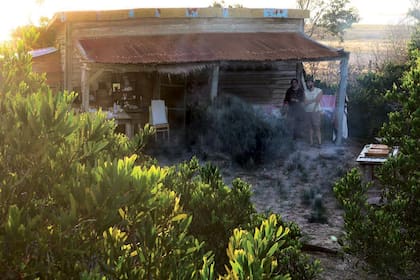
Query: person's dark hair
x,y
309,78
292,80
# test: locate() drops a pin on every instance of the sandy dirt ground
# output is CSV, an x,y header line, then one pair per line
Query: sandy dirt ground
x,y
288,186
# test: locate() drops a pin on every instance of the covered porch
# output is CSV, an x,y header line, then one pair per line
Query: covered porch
x,y
122,74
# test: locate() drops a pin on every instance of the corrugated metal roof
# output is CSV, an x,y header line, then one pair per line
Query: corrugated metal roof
x,y
204,47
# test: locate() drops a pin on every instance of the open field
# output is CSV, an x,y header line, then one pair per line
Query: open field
x,y
371,45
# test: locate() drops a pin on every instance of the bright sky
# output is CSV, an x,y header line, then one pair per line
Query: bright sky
x,y
21,12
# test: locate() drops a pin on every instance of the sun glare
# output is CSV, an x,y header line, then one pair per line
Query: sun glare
x,y
21,12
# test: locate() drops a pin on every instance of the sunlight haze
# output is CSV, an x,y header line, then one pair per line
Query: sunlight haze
x,y
21,12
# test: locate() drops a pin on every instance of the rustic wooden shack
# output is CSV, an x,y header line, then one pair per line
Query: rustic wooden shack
x,y
183,55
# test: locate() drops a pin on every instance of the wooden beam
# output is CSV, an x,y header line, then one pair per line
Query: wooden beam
x,y
214,82
182,13
299,71
96,75
85,87
342,96
156,85
68,57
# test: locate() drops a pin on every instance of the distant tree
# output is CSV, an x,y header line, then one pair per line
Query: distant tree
x,y
217,4
329,17
16,73
414,11
45,37
222,4
414,43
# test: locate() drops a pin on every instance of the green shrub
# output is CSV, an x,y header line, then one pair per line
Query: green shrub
x,y
236,128
308,195
290,259
216,208
62,199
388,235
319,212
371,232
368,107
16,73
295,163
253,254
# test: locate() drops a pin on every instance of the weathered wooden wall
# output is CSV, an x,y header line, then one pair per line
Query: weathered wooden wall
x,y
259,86
50,64
158,26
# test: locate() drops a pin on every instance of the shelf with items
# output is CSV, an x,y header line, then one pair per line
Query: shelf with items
x,y
128,100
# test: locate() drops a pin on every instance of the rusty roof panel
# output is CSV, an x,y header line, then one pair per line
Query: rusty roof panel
x,y
204,47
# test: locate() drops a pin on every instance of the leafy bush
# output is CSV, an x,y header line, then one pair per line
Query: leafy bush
x,y
216,209
308,195
388,235
16,73
92,216
234,127
371,232
289,259
78,201
367,107
253,255
319,212
61,195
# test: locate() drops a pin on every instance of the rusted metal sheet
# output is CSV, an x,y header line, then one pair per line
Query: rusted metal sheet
x,y
204,47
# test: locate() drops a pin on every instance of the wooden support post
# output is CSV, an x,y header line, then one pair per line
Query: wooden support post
x,y
342,96
214,82
96,75
85,87
299,72
156,85
68,57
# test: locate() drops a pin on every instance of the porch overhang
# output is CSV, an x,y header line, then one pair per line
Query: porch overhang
x,y
187,51
201,48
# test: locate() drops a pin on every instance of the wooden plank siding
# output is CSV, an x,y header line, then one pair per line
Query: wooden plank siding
x,y
142,13
261,87
158,26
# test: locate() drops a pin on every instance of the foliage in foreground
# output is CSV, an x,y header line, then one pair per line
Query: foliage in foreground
x,y
78,201
217,209
71,209
388,235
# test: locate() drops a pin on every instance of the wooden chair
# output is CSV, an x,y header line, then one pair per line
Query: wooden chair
x,y
158,117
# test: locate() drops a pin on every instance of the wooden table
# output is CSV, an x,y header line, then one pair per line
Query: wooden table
x,y
128,120
368,163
